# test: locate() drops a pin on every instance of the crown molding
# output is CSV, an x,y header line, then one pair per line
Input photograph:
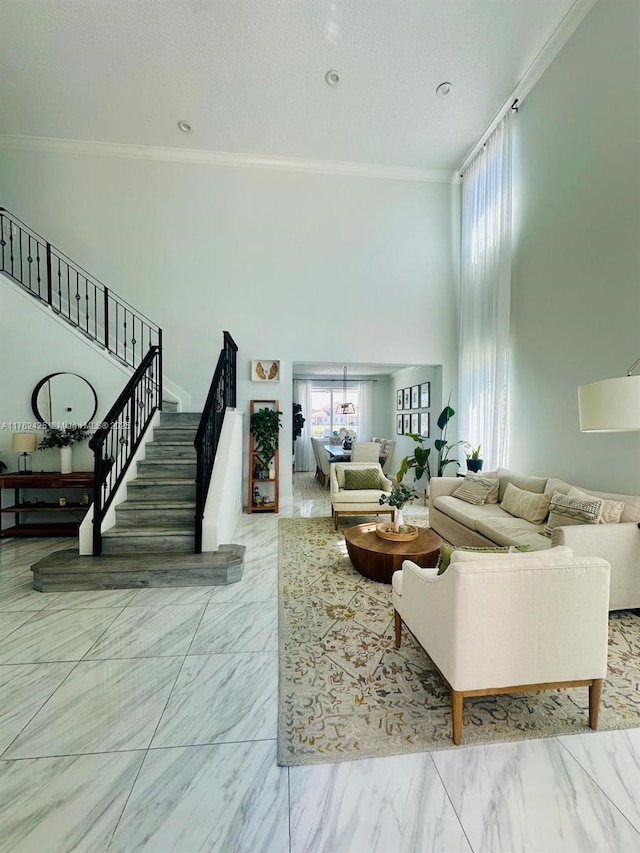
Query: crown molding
x,y
534,72
223,158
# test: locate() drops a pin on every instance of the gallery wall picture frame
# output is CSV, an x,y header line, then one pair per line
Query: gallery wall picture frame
x,y
406,423
425,395
415,423
399,399
265,370
399,425
425,424
415,396
407,398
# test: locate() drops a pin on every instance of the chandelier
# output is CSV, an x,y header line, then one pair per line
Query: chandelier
x,y
345,408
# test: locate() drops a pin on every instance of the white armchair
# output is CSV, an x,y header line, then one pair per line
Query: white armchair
x,y
507,623
357,501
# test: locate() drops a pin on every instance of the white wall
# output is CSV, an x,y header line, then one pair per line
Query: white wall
x,y
33,345
300,267
576,269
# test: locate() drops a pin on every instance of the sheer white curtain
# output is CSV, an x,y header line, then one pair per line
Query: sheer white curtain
x,y
365,410
485,298
302,445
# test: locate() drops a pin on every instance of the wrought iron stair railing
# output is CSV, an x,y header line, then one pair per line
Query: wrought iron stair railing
x,y
74,294
222,395
116,440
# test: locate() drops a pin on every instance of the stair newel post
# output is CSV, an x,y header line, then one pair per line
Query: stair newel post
x,y
159,394
106,317
49,284
98,474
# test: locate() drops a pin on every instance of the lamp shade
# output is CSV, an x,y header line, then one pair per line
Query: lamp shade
x,y
24,442
611,405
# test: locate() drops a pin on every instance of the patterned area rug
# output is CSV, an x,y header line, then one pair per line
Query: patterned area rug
x,y
346,692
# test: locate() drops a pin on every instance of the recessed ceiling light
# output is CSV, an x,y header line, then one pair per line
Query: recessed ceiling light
x,y
184,126
443,89
332,78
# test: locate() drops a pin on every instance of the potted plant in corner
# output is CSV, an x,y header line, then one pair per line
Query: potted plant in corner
x,y
265,424
420,461
64,439
474,462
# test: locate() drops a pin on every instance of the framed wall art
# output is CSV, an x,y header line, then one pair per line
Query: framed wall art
x,y
415,396
265,370
407,398
399,425
425,418
399,399
425,395
406,423
415,422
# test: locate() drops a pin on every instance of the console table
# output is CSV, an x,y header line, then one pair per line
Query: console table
x,y
71,514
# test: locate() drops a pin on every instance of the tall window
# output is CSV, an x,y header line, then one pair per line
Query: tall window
x,y
324,418
485,289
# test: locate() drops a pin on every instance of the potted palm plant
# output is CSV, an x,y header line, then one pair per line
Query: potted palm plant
x,y
420,461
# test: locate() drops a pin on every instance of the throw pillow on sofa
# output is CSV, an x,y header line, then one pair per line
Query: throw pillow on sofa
x,y
565,511
361,478
475,489
527,505
446,550
611,510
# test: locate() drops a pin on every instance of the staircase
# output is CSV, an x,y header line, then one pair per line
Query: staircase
x,y
158,515
152,543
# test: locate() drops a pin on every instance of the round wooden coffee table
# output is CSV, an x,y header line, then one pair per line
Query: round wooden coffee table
x,y
377,559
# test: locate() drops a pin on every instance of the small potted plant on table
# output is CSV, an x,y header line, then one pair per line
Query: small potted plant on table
x,y
474,462
397,498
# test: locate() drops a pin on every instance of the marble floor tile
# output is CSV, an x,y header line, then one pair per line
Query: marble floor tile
x,y
377,805
171,595
22,596
92,598
612,759
24,689
148,632
64,805
230,798
12,619
102,706
237,627
222,698
56,635
258,583
531,796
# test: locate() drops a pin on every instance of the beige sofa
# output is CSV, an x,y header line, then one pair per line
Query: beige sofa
x,y
462,523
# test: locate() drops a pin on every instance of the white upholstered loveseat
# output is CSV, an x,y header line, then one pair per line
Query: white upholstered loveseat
x,y
462,523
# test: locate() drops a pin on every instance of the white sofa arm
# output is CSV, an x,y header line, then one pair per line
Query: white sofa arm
x,y
619,544
439,486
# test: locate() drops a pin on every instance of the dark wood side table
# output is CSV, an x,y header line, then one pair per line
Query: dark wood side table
x,y
377,559
71,514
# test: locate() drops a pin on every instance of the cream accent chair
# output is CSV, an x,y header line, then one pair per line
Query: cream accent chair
x,y
357,501
509,623
365,451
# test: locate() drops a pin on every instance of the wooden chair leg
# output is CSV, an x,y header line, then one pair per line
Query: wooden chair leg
x,y
398,626
335,520
595,693
456,709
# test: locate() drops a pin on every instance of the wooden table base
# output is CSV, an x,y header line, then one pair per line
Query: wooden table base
x,y
377,559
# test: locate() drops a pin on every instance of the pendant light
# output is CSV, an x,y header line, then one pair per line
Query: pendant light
x,y
345,408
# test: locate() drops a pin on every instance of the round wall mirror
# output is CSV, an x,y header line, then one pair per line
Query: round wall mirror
x,y
64,398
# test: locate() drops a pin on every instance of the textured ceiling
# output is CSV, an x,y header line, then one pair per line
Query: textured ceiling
x,y
249,74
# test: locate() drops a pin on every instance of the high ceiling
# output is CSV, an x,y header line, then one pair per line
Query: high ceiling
x,y
249,75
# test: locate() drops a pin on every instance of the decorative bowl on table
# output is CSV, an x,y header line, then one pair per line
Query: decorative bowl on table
x,y
406,533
